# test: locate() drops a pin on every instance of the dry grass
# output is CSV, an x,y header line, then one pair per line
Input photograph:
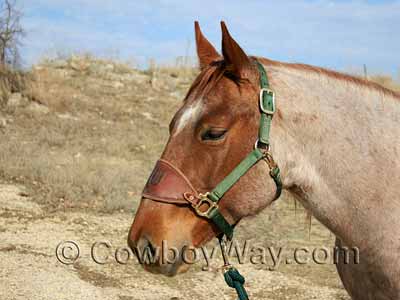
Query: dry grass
x,y
386,81
10,82
106,125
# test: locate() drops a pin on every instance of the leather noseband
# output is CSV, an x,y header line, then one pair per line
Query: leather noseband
x,y
168,184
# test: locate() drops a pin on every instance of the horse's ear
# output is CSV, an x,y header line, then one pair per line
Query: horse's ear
x,y
234,56
205,51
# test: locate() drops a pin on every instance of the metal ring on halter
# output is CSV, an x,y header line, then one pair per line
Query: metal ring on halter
x,y
266,149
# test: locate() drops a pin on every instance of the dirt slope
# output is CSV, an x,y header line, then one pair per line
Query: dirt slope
x,y
30,270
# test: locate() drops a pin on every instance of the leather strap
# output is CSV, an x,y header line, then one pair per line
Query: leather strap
x,y
168,184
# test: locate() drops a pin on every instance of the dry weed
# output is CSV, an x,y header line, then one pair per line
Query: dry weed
x,y
386,81
106,127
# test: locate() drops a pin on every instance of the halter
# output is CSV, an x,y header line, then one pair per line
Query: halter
x,y
168,184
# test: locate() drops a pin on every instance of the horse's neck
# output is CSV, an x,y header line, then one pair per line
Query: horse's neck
x,y
337,143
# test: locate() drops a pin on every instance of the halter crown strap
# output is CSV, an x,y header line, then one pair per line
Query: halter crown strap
x,y
267,106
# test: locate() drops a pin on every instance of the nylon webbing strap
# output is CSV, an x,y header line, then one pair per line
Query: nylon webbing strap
x,y
253,157
267,106
218,192
222,223
275,173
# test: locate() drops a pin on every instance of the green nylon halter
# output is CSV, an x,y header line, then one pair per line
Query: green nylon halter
x,y
261,151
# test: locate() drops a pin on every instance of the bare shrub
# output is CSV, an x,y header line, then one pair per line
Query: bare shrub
x,y
11,81
99,142
11,33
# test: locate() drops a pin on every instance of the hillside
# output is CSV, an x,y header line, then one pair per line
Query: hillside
x,y
78,139
86,132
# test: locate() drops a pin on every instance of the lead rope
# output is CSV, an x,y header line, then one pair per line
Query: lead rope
x,y
232,276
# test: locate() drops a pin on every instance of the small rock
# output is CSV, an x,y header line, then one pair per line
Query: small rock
x,y
3,122
74,65
154,82
109,67
118,85
62,72
7,248
101,69
38,108
59,63
78,64
12,201
67,116
16,99
148,116
37,68
137,77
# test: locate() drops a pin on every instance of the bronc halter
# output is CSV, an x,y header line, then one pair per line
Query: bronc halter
x,y
168,184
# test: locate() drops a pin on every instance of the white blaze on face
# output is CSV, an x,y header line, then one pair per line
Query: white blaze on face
x,y
189,115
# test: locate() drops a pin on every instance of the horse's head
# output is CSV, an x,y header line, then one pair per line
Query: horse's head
x,y
212,132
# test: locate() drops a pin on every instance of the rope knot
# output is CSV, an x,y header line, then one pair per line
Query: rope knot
x,y
235,280
233,275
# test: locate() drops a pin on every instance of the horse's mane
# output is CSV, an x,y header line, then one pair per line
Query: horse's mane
x,y
333,74
210,76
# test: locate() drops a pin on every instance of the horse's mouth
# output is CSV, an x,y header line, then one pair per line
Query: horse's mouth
x,y
168,269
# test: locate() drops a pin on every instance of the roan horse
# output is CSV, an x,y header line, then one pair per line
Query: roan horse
x,y
334,136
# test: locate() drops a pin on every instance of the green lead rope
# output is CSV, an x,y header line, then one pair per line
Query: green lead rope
x,y
232,276
235,280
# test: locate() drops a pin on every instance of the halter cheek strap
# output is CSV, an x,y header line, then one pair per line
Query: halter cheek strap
x,y
168,184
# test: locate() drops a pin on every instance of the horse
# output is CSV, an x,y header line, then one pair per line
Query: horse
x,y
334,136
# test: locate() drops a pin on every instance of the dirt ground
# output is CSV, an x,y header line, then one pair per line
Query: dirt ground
x,y
30,269
76,147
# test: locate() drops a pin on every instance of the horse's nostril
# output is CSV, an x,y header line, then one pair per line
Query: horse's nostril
x,y
145,248
150,248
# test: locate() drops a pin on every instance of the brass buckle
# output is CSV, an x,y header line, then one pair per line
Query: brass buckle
x,y
211,205
263,109
269,160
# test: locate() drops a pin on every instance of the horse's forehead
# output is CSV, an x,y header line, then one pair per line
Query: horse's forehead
x,y
189,114
195,106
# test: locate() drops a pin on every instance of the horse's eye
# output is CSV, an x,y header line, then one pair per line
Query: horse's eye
x,y
213,134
